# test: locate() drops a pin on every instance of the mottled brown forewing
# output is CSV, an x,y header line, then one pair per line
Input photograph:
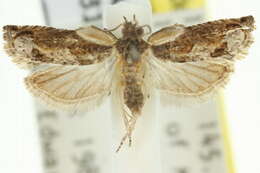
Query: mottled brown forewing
x,y
228,39
34,45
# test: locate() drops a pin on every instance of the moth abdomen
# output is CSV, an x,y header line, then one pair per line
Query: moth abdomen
x,y
133,81
134,98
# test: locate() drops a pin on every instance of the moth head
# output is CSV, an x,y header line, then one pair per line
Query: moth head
x,y
131,30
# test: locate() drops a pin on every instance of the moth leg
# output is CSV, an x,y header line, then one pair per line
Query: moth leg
x,y
131,127
129,121
121,143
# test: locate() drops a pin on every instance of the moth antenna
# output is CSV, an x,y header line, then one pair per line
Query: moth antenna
x,y
125,19
113,29
134,18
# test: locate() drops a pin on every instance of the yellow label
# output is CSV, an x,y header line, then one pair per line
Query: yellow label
x,y
225,134
160,6
195,4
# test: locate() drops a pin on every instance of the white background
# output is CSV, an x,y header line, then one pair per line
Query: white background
x,y
19,145
243,91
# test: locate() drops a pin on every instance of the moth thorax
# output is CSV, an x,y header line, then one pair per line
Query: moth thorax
x,y
133,54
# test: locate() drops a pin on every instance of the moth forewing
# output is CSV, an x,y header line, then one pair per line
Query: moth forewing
x,y
228,39
30,46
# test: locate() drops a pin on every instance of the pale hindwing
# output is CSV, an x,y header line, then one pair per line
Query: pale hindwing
x,y
189,80
73,87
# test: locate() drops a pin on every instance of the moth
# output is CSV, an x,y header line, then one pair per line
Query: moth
x,y
78,69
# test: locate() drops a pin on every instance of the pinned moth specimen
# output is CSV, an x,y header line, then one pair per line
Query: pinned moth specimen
x,y
78,69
